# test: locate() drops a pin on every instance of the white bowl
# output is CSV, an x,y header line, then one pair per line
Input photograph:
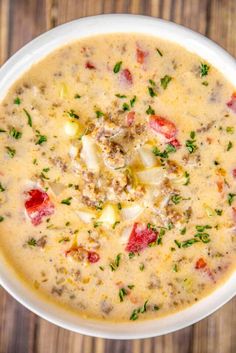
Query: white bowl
x,y
35,51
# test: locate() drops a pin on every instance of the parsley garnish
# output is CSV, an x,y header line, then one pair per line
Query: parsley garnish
x,y
218,212
120,95
150,111
122,293
2,188
119,206
141,267
190,144
99,114
2,130
72,114
205,83
32,242
165,81
152,82
183,231
116,263
10,151
125,107
175,268
17,101
176,199
230,198
15,134
77,96
151,92
186,243
67,201
115,224
230,145
117,67
131,255
187,176
159,52
132,101
41,139
230,129
29,117
140,310
1,218
204,68
165,154
97,224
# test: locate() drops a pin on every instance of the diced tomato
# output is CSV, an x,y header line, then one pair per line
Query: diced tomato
x,y
89,65
130,118
126,77
232,103
140,238
201,263
141,55
175,143
93,257
163,126
234,173
38,205
220,185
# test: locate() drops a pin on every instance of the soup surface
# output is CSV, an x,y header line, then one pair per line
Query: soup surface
x,y
117,177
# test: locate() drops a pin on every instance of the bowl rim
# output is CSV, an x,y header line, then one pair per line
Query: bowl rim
x,y
33,52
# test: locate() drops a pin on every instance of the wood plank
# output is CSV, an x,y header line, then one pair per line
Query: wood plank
x,y
20,330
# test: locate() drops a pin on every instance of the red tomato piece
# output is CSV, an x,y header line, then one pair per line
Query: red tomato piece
x,y
234,173
201,263
89,65
93,257
140,237
175,143
130,118
38,205
141,55
163,126
232,103
126,77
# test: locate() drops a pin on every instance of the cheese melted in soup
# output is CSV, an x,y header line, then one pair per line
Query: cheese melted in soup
x,y
117,172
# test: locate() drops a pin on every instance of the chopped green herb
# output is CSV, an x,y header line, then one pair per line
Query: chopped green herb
x,y
230,198
205,83
120,95
187,176
159,52
28,117
99,114
2,188
176,199
10,151
175,268
35,161
216,162
119,206
64,240
186,243
152,83
183,231
204,69
99,205
141,267
150,111
15,134
101,268
116,263
204,237
131,286
43,176
151,92
67,201
170,148
230,129
72,114
132,101
126,107
202,228
165,81
162,232
135,313
2,130
97,224
1,218
218,212
117,67
77,96
156,307
115,224
230,145
122,292
32,242
41,139
190,144
17,101
131,255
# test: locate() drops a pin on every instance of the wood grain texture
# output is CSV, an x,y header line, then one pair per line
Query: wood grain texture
x,y
20,21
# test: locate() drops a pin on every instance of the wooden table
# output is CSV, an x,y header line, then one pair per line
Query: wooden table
x,y
20,21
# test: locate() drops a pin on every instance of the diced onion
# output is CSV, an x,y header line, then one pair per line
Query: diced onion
x,y
125,235
71,128
128,213
86,216
152,176
73,151
108,216
147,157
90,154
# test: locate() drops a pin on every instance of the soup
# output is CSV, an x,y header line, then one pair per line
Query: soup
x,y
117,177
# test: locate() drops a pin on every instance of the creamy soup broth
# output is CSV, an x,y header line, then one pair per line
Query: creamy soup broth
x,y
117,177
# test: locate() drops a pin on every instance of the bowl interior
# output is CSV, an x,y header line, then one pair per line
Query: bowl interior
x,y
32,53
